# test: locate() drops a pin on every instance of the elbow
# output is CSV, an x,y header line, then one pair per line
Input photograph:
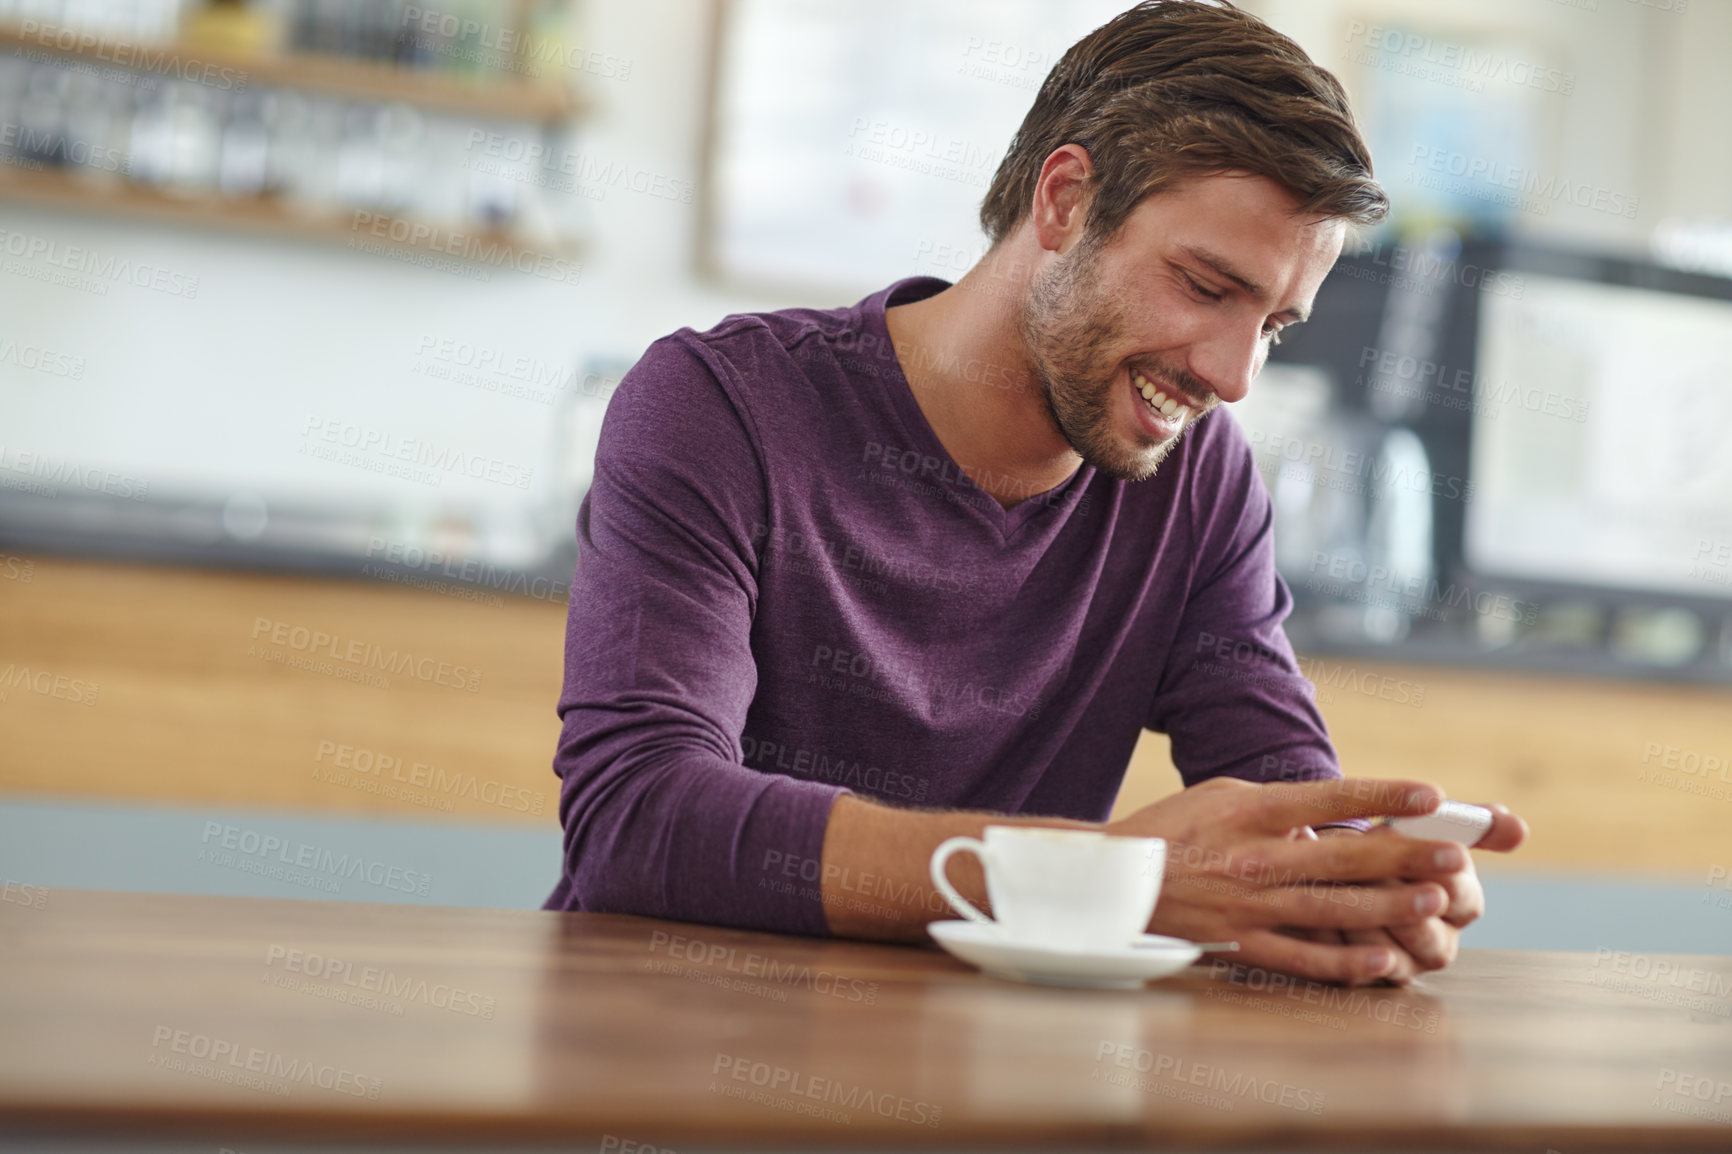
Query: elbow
x,y
606,876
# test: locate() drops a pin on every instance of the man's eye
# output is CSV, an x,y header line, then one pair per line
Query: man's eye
x,y
1201,291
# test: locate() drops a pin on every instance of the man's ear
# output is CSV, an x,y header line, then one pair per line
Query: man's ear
x,y
1061,198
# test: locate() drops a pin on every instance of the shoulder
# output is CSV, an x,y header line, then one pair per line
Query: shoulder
x,y
679,401
718,392
759,342
745,362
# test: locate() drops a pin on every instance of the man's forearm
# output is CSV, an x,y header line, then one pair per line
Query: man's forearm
x,y
876,879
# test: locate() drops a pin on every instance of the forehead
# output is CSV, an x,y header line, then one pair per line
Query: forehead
x,y
1248,220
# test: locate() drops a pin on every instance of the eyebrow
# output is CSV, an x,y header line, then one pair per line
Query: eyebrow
x,y
1222,268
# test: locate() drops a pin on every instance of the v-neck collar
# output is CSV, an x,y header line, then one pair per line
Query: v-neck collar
x,y
907,407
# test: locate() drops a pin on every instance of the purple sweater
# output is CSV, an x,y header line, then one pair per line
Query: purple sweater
x,y
786,589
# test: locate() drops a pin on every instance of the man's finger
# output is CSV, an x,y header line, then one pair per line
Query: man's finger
x,y
1353,965
1324,934
1350,907
1466,899
1283,805
1407,966
1506,833
1432,943
1378,856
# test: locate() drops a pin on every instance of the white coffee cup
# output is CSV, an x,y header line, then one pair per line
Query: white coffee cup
x,y
1063,888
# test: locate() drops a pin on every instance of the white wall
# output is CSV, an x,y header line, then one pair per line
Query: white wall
x,y
184,392
187,393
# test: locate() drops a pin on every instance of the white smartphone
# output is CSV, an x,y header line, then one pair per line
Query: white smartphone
x,y
1455,821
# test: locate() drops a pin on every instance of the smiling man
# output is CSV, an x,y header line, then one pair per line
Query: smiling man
x,y
852,581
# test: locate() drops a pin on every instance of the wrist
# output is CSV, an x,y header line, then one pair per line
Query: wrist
x,y
875,875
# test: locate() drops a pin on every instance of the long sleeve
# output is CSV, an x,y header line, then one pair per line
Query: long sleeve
x,y
1231,695
661,817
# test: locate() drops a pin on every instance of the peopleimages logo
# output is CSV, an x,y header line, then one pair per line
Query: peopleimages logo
x,y
1328,466
85,269
366,655
268,848
362,768
330,438
1391,370
1464,59
1228,1087
801,551
785,1089
761,754
144,57
752,964
382,981
856,673
1496,174
919,150
225,1060
39,359
48,684
469,570
24,894
513,49
29,145
1719,877
566,171
1335,573
52,472
482,248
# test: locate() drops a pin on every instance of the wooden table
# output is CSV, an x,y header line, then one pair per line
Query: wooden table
x,y
243,1022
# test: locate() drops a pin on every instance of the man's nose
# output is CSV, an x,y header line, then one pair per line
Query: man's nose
x,y
1228,361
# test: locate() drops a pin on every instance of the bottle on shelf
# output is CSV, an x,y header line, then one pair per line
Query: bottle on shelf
x,y
321,153
232,26
243,169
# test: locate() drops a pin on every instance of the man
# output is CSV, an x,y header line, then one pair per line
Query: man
x,y
853,581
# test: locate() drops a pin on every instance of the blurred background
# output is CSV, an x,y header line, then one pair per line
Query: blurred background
x,y
310,310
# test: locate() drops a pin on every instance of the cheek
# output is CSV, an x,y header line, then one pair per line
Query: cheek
x,y
1169,320
1129,333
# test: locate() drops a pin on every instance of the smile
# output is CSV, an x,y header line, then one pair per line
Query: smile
x,y
1169,407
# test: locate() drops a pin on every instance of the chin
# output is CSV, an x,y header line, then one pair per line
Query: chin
x,y
1133,465
1121,466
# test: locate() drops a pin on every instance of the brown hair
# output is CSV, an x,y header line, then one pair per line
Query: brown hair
x,y
1172,89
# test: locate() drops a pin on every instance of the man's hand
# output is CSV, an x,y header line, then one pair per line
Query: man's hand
x,y
1432,943
1234,870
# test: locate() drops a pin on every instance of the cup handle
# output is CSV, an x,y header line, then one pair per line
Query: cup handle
x,y
940,858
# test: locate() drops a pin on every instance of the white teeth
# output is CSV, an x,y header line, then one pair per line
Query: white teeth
x,y
1158,400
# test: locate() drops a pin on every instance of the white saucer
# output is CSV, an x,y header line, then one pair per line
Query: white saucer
x,y
1122,968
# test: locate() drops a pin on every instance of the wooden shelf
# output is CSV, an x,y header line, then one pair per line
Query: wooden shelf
x,y
334,75
66,190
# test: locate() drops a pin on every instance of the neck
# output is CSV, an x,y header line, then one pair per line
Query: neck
x,y
963,354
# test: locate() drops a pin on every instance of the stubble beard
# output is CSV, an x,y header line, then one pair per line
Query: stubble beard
x,y
1069,327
